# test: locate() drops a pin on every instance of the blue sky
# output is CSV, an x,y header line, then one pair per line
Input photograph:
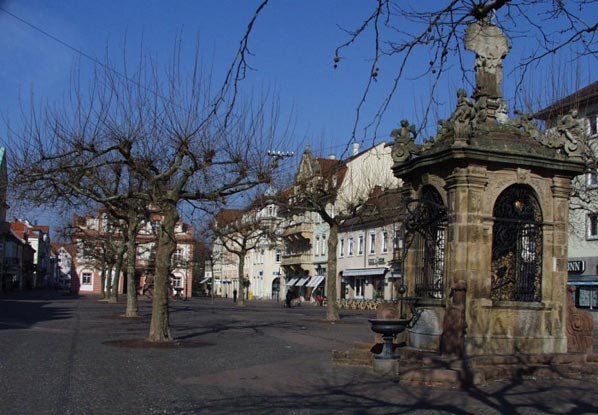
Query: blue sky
x,y
293,45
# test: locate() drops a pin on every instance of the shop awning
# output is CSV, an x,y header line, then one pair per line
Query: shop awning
x,y
292,282
301,282
315,281
587,280
360,272
206,279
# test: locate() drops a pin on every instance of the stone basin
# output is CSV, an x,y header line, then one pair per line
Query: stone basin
x,y
388,328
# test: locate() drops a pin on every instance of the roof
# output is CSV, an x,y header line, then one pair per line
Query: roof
x,y
226,216
580,98
382,207
70,248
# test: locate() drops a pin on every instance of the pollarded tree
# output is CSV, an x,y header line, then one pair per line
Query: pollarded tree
x,y
336,190
168,135
74,160
243,231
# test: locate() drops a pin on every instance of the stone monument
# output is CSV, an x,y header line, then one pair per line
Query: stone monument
x,y
488,201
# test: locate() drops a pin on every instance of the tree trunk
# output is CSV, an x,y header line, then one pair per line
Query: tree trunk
x,y
241,290
132,286
107,281
331,286
103,280
160,324
115,281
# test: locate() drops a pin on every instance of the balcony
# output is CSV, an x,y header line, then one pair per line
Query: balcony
x,y
297,259
305,230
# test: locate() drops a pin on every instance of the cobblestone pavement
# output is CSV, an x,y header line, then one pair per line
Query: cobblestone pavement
x,y
65,355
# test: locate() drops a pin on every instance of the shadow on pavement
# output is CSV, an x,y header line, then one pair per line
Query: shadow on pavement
x,y
23,310
360,396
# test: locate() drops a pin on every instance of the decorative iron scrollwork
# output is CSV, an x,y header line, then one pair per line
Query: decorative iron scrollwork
x,y
425,227
517,246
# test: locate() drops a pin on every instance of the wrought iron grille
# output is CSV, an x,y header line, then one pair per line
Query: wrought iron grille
x,y
426,234
517,246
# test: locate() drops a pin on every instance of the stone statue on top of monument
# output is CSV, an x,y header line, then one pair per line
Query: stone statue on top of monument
x,y
490,46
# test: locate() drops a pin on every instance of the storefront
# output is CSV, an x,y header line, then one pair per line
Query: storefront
x,y
583,276
365,283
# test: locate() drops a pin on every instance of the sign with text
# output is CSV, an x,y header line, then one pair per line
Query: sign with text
x,y
578,266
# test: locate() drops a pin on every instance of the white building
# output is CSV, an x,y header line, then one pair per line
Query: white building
x,y
583,218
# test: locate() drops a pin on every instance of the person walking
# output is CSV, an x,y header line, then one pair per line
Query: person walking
x,y
288,299
235,295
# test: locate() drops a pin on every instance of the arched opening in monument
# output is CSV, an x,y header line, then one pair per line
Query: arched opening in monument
x,y
517,246
426,228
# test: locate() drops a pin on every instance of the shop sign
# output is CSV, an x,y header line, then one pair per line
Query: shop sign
x,y
578,266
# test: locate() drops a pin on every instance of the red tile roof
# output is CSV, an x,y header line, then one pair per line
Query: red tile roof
x,y
579,99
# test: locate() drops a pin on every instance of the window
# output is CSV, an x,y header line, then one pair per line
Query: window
x,y
360,245
317,245
592,179
155,226
342,247
177,282
324,245
350,246
87,251
593,121
517,246
178,255
86,278
592,226
278,255
372,243
384,241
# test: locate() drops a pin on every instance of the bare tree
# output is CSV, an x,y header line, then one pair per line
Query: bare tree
x,y
164,134
335,191
242,231
411,40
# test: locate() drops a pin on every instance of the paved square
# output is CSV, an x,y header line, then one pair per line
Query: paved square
x,y
63,355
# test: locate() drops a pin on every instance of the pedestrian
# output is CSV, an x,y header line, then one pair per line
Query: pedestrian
x,y
288,299
235,295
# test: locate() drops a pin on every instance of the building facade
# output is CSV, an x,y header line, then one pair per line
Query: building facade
x,y
255,229
583,216
97,242
368,244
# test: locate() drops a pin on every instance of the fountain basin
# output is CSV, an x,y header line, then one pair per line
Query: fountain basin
x,y
388,328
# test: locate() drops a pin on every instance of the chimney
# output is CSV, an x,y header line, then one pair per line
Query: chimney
x,y
355,147
331,157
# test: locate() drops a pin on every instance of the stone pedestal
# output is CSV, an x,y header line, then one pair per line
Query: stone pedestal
x,y
387,367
